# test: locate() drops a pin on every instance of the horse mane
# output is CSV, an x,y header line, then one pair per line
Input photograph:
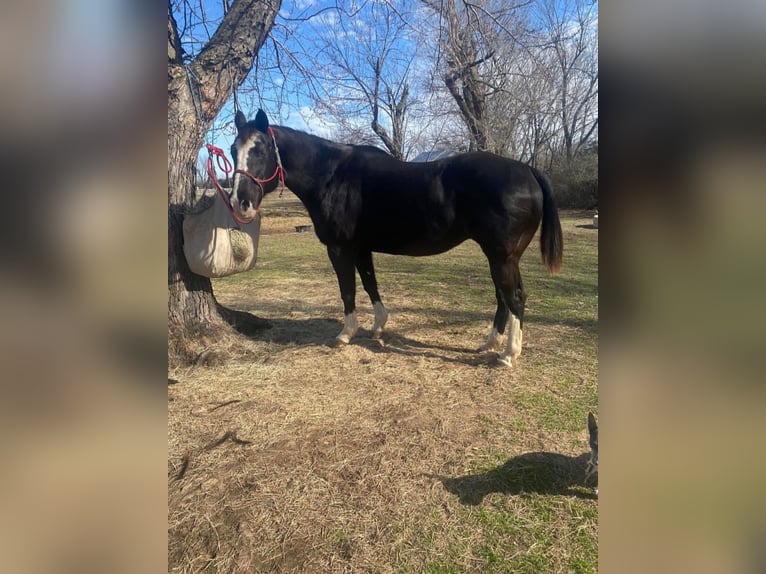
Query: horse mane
x,y
311,137
337,145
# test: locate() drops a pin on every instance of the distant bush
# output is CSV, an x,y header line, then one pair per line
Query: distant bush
x,y
576,184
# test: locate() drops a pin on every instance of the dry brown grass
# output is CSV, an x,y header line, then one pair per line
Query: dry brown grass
x,y
412,456
282,214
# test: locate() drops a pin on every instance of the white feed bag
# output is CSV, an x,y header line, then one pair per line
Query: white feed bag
x,y
215,245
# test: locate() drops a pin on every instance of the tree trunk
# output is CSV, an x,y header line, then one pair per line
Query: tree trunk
x,y
196,93
462,77
190,298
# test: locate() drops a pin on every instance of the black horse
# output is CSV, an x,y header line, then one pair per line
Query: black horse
x,y
362,200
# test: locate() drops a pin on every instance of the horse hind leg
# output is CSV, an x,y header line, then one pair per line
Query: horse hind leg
x,y
508,282
499,324
343,263
367,273
513,345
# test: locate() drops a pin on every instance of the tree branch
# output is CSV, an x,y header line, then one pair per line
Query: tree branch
x,y
227,58
175,50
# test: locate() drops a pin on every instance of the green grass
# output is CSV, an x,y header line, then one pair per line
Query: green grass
x,y
532,541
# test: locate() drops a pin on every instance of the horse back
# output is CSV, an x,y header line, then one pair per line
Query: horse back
x,y
427,208
497,197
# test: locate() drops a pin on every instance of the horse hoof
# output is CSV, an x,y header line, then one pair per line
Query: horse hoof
x,y
341,341
376,335
506,361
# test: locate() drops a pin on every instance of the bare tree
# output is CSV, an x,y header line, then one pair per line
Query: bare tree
x,y
198,87
462,52
571,31
362,61
523,76
477,46
524,117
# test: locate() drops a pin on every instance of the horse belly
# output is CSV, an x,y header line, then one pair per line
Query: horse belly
x,y
417,245
411,223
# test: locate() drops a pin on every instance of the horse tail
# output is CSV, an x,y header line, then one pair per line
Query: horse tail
x,y
551,240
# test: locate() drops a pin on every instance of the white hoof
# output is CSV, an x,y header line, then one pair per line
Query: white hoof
x,y
350,328
506,360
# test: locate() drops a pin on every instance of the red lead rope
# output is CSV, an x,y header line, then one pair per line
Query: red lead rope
x,y
225,165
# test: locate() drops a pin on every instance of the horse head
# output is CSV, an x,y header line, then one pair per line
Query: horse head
x,y
256,169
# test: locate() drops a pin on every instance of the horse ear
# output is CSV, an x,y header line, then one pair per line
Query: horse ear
x,y
261,121
239,119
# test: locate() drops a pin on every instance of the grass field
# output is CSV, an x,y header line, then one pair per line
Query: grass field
x,y
415,455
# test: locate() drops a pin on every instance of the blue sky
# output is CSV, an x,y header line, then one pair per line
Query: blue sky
x,y
297,110
286,98
295,107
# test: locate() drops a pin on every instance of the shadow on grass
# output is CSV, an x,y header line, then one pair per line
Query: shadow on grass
x,y
322,333
397,344
243,322
533,472
310,332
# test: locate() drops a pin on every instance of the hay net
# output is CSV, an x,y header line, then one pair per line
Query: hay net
x,y
216,246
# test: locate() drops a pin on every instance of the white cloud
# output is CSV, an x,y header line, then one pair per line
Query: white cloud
x,y
303,4
329,19
308,121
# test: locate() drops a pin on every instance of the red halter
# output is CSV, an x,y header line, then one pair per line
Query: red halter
x,y
225,165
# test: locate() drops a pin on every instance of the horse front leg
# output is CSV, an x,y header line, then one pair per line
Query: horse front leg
x,y
367,273
342,260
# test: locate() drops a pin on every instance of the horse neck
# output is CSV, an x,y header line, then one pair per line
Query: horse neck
x,y
307,161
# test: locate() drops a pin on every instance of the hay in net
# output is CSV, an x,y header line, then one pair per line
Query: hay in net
x,y
241,245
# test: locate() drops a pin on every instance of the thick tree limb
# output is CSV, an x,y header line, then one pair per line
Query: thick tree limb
x,y
225,61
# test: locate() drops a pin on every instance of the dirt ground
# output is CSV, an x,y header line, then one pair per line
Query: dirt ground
x,y
414,455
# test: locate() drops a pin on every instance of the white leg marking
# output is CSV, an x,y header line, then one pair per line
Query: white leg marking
x,y
350,328
513,345
494,341
381,316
